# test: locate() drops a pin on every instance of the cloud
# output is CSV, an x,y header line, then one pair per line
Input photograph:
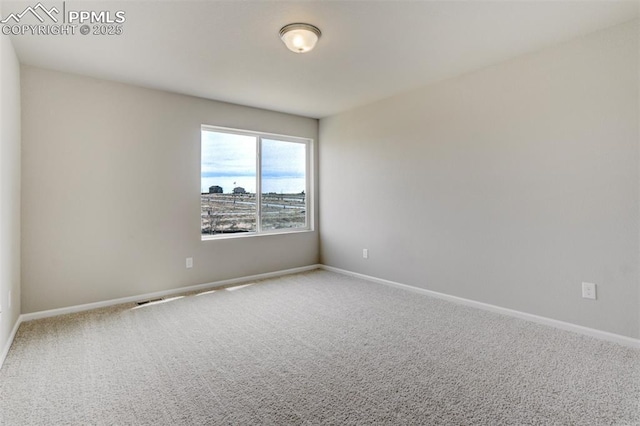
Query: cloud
x,y
283,159
228,157
224,154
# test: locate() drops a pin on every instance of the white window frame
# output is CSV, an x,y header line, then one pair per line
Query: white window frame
x,y
309,175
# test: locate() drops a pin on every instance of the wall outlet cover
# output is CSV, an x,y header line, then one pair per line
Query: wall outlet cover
x,y
588,290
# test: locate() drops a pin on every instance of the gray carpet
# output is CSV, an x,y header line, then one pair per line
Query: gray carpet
x,y
313,348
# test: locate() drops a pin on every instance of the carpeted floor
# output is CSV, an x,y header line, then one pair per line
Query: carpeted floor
x,y
312,348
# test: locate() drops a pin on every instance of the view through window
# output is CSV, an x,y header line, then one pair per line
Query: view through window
x,y
236,166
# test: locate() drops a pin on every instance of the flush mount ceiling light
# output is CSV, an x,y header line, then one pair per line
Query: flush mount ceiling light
x,y
300,38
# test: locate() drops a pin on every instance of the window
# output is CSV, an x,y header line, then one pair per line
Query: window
x,y
253,183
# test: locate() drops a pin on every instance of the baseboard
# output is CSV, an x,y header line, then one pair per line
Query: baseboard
x,y
159,294
599,334
156,295
7,346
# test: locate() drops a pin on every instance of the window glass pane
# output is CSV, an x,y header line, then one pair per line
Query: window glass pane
x,y
228,183
284,184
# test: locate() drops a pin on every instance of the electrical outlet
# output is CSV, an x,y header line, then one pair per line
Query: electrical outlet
x,y
189,262
365,253
9,301
589,290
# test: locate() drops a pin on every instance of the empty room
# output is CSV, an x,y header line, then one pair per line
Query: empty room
x,y
319,212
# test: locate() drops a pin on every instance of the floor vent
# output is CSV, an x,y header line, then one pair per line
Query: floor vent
x,y
148,301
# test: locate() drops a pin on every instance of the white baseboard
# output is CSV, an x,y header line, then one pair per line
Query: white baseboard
x,y
603,335
592,332
159,294
7,346
156,295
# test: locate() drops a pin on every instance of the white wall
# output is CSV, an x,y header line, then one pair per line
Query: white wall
x,y
111,192
9,189
509,186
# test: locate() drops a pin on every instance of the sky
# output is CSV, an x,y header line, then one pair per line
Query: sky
x,y
229,160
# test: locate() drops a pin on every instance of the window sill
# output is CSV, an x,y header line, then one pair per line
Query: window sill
x,y
254,234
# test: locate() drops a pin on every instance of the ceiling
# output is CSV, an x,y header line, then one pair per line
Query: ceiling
x,y
369,50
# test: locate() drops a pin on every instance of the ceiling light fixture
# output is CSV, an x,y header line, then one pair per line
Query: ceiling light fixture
x,y
300,38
